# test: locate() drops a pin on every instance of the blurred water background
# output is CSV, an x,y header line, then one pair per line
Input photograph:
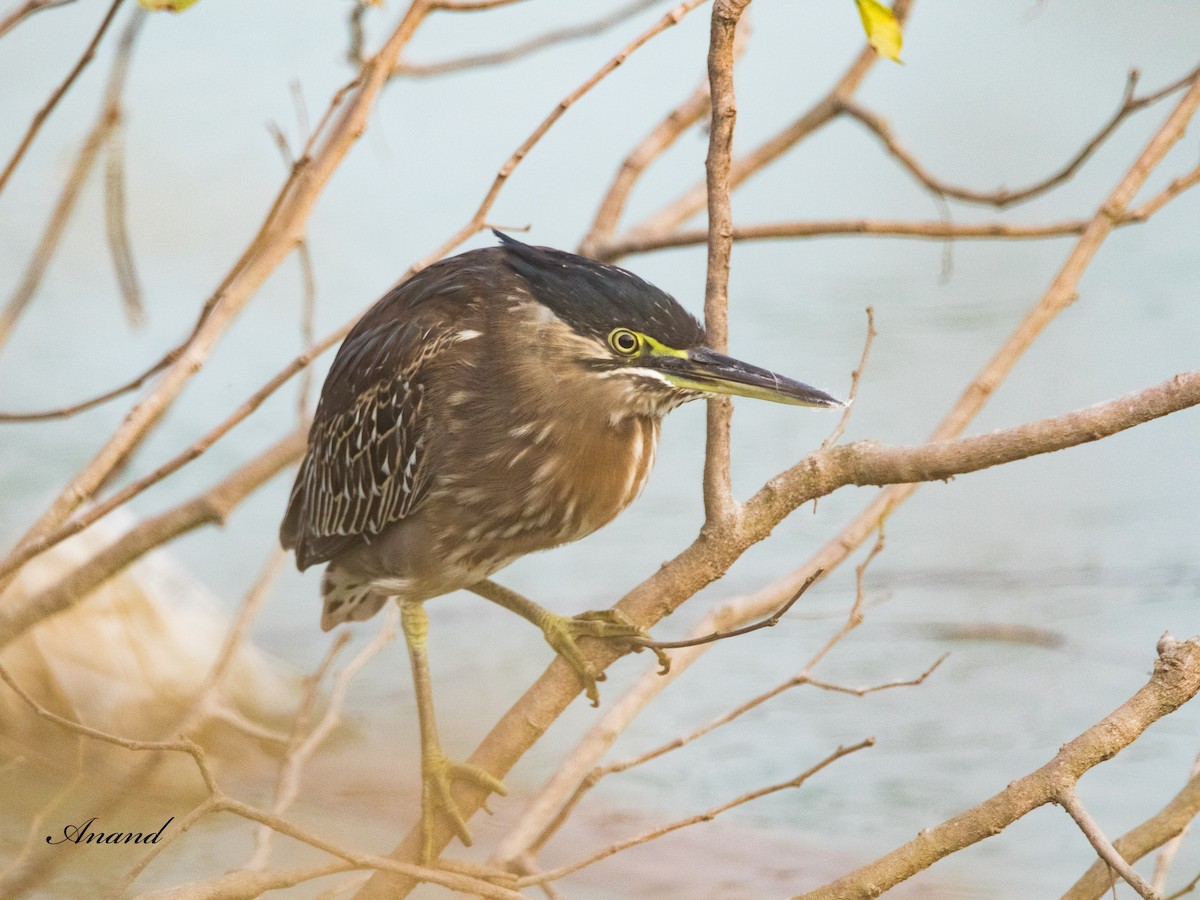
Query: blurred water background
x,y
1098,545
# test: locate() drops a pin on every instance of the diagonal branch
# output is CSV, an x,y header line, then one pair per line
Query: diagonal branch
x,y
555,874
1069,800
210,507
43,113
478,221
102,133
525,47
1175,681
1163,826
25,10
819,115
286,228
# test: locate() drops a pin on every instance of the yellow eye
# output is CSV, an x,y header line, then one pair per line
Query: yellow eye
x,y
624,341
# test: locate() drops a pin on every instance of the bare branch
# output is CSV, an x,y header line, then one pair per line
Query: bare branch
x,y
708,816
1161,828
1169,193
478,221
820,114
471,5
525,47
287,787
97,511
282,229
246,883
218,801
937,231
517,835
1002,197
102,132
42,114
855,378
769,622
211,507
1070,801
1176,680
25,10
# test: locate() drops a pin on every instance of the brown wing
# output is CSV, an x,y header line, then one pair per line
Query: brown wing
x,y
367,464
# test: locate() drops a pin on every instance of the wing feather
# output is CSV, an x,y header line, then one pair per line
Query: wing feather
x,y
366,465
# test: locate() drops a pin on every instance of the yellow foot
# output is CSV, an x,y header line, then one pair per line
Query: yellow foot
x,y
438,773
607,624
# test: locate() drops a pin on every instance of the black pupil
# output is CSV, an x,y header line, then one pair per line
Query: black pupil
x,y
626,342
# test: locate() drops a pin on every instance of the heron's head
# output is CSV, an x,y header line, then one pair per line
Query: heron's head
x,y
639,338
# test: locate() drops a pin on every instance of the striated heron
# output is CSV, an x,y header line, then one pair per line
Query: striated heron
x,y
499,402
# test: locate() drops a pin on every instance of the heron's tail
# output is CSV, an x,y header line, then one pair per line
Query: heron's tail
x,y
348,597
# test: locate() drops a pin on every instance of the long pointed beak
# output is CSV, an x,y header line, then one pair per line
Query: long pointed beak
x,y
714,373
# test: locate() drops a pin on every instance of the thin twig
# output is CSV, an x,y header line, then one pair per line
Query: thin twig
x,y
708,816
1186,889
48,107
278,235
471,5
116,224
1166,855
1176,679
287,787
616,768
855,378
27,551
25,10
522,48
1166,195
218,801
769,622
937,231
101,134
824,111
661,138
1070,801
478,220
1002,198
181,745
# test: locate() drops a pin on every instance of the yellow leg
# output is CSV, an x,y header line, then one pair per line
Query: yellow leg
x,y
562,631
437,772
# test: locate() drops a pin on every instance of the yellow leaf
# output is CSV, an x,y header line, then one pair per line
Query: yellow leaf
x,y
883,31
168,5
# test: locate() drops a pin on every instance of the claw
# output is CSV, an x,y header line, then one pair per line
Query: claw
x,y
605,624
438,773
